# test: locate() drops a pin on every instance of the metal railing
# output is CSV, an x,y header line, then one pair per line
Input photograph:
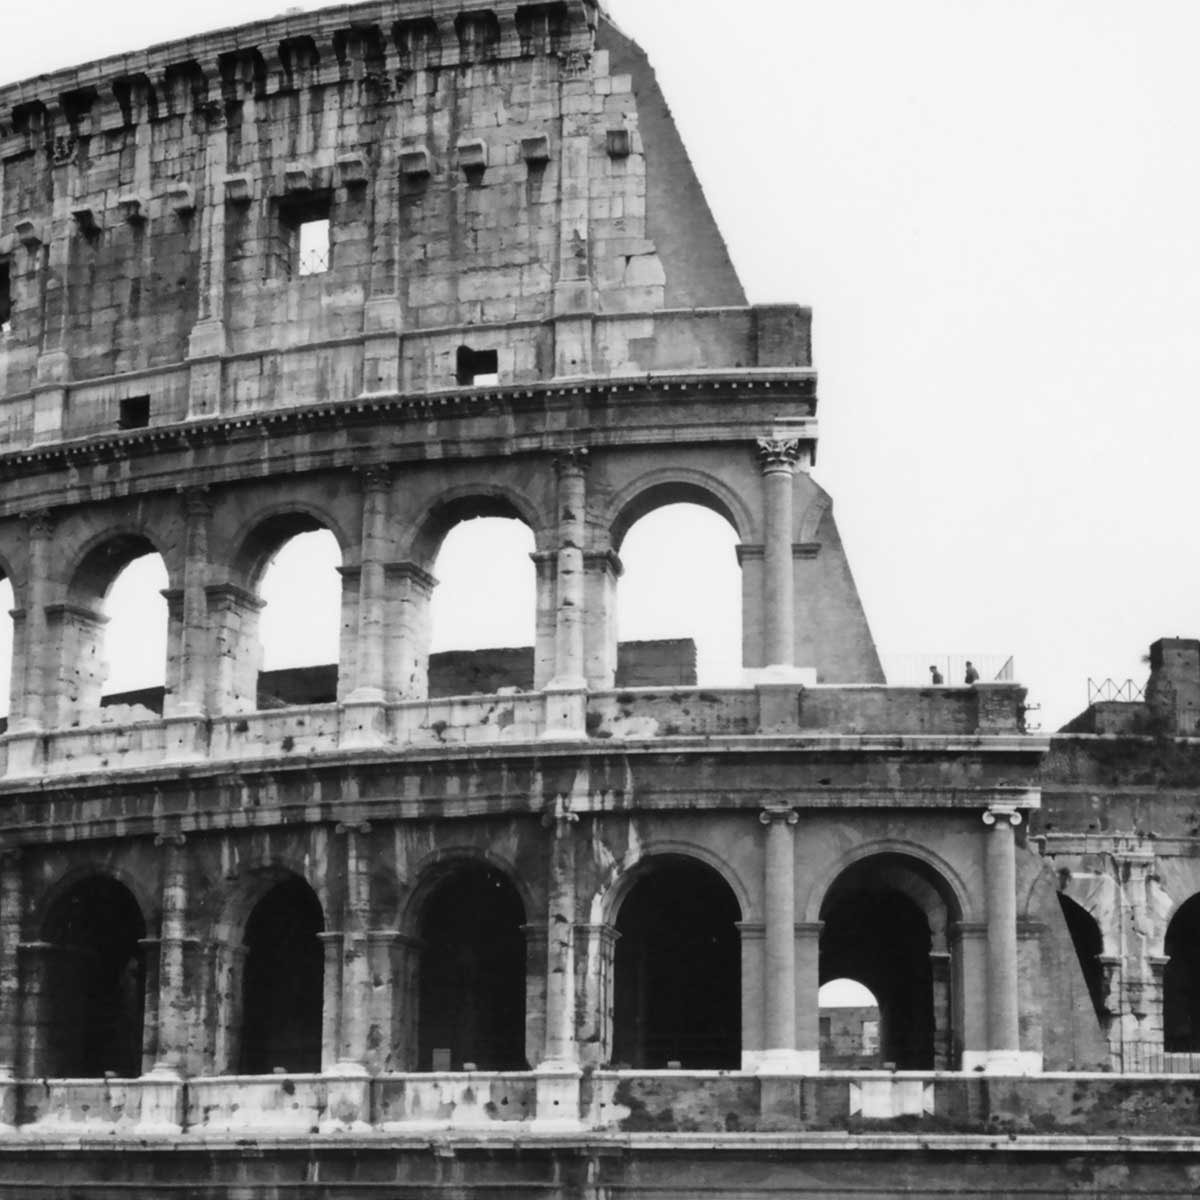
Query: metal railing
x,y
913,670
1110,689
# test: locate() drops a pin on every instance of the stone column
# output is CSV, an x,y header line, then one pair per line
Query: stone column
x,y
174,1000
409,588
778,457
1004,1041
356,964
193,658
371,627
30,713
364,717
567,702
10,980
544,635
558,1074
780,1055
233,678
603,571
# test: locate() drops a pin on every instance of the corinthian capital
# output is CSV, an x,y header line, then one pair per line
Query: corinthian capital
x,y
779,454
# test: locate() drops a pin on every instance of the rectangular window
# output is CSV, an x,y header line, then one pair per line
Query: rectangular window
x,y
313,246
5,297
477,368
303,236
134,413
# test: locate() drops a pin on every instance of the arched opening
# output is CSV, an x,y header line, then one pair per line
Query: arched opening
x,y
1089,946
885,921
113,634
679,601
849,1026
1181,980
94,981
677,970
483,612
283,982
292,562
471,1005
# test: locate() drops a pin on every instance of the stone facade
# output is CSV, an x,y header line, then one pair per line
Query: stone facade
x,y
377,271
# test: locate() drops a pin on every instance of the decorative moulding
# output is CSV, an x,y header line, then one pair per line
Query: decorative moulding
x,y
351,170
237,189
535,150
85,218
133,209
29,233
619,143
182,198
472,155
414,162
297,178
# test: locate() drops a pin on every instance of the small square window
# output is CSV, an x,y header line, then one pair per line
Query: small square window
x,y
478,368
313,247
134,413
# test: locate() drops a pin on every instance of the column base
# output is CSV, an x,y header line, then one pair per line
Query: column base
x,y
8,1102
364,722
186,736
781,1062
1002,1062
348,1099
566,712
558,1097
24,753
162,1100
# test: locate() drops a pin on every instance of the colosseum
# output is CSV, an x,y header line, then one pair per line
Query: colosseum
x,y
550,923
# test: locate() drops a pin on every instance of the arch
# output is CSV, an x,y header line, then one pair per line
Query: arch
x,y
92,983
883,923
471,990
676,485
952,888
848,1027
144,898
659,848
229,908
430,870
260,537
104,556
1089,946
677,968
1181,979
283,981
422,538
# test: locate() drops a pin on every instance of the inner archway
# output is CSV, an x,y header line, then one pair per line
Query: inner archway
x,y
849,1026
1181,980
1089,946
677,969
885,922
681,582
483,612
471,1005
93,989
283,984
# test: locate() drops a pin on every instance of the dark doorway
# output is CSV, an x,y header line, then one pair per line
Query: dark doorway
x,y
885,926
1181,980
677,986
1089,945
472,988
283,986
95,982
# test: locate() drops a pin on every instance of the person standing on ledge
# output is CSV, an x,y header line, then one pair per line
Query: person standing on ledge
x,y
972,675
935,676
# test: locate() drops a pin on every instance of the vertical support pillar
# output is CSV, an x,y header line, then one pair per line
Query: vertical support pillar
x,y
544,634
193,653
365,716
780,1055
558,1074
1004,1054
603,571
408,591
356,966
778,457
30,713
174,998
207,345
10,981
566,699
233,617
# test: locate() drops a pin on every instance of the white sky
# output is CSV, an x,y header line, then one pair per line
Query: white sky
x,y
992,206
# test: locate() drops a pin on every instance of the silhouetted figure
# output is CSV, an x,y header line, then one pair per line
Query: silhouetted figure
x,y
972,675
935,676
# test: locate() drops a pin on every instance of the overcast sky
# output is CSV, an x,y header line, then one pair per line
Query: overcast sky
x,y
992,207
